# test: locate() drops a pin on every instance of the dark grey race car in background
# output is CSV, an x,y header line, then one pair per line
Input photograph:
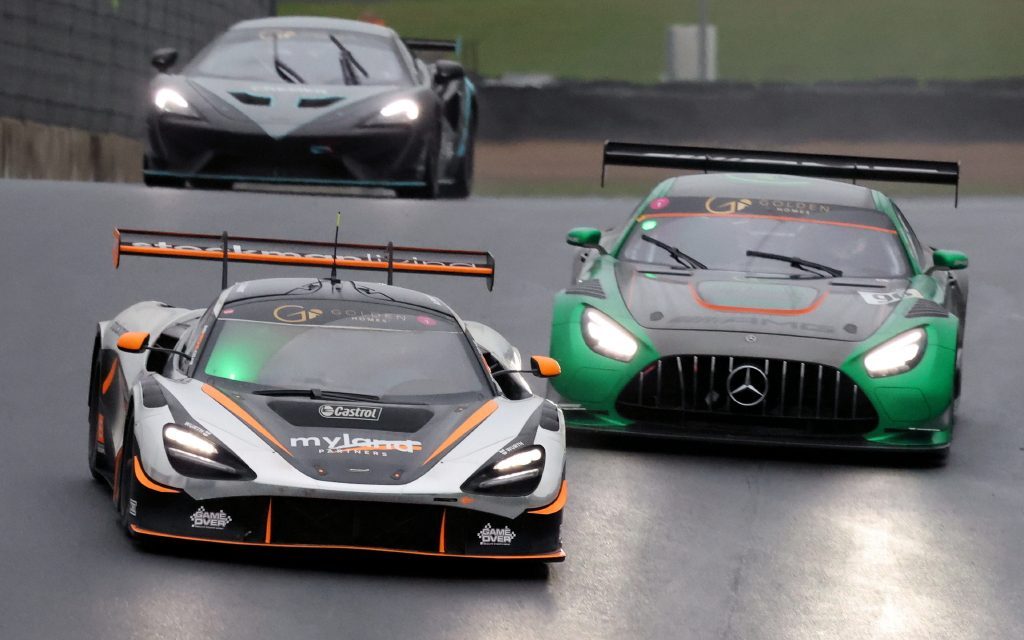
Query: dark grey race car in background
x,y
317,101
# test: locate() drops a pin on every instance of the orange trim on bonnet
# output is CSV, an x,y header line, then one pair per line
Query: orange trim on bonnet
x,y
243,415
769,312
558,504
109,380
468,425
756,216
554,555
145,481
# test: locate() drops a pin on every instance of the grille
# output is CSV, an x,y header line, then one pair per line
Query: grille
x,y
691,393
366,524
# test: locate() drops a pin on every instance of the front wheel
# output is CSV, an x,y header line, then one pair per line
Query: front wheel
x,y
125,476
463,181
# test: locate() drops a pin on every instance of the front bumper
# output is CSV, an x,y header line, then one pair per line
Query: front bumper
x,y
443,530
391,157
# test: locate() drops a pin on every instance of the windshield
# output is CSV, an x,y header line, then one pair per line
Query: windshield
x,y
248,54
389,351
722,241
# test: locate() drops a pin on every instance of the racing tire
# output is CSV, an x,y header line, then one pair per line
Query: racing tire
x,y
125,474
94,381
462,183
432,175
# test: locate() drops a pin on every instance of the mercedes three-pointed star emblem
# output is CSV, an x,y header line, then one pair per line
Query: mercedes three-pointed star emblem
x,y
747,385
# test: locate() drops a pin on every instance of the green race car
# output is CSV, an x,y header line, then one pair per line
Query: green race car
x,y
764,304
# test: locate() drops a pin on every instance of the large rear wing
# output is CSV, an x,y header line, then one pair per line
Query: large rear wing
x,y
296,253
800,164
424,45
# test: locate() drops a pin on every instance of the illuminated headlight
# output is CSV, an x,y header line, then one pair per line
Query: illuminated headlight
x,y
517,474
403,110
897,355
170,101
194,452
607,337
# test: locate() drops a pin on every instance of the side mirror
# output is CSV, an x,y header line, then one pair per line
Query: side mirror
x,y
133,342
948,260
446,71
164,59
586,237
544,367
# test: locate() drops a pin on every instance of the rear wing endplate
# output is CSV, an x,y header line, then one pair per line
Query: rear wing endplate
x,y
296,253
423,45
800,164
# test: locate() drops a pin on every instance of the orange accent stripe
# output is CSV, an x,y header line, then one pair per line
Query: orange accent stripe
x,y
764,217
468,425
243,415
769,312
117,472
144,480
558,504
270,508
299,260
101,436
440,546
109,380
554,555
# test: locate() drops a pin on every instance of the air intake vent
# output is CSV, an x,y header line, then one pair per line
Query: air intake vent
x,y
590,288
927,309
250,99
316,103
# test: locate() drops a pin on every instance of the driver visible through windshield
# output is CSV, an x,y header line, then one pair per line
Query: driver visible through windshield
x,y
391,352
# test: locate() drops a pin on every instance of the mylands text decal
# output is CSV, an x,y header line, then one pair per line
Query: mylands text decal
x,y
366,446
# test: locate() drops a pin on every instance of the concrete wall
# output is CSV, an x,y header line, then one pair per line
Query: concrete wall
x,y
745,114
85,63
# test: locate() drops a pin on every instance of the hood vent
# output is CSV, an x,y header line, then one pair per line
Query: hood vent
x,y
927,309
590,288
317,103
250,99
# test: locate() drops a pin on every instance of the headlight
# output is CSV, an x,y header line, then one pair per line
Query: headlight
x,y
897,355
194,452
517,474
401,111
170,101
607,337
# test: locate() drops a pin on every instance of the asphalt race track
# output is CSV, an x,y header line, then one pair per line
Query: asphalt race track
x,y
663,540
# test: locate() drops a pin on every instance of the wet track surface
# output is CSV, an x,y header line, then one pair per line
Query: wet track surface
x,y
663,540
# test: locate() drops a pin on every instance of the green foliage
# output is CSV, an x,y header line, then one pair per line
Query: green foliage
x,y
780,40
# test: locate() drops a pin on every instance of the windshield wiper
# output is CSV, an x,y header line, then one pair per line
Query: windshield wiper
x,y
318,394
677,255
799,263
287,73
349,64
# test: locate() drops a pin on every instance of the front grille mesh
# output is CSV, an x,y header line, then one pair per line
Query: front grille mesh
x,y
689,392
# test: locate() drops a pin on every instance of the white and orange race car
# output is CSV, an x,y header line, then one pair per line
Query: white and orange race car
x,y
327,413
